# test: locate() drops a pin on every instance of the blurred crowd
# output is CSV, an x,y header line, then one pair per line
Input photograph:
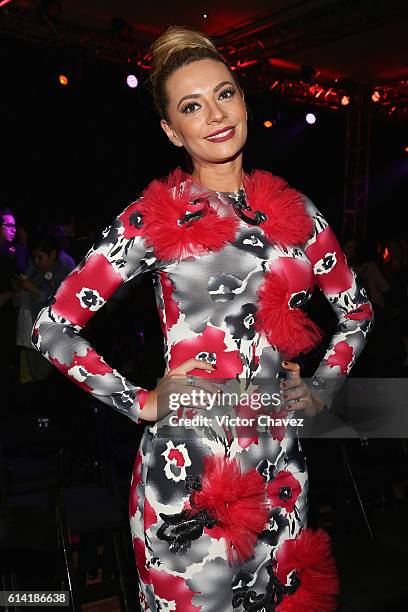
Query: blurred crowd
x,y
33,263
383,269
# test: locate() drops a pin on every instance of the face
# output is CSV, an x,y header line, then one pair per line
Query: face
x,y
8,228
203,100
44,261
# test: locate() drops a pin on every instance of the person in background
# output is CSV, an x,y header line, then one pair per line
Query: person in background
x,y
13,261
48,266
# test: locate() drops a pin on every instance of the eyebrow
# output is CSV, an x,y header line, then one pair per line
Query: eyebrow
x,y
216,88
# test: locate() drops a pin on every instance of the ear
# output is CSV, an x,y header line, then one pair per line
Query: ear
x,y
171,134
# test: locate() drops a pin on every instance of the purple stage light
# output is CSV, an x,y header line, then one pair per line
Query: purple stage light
x,y
132,81
311,118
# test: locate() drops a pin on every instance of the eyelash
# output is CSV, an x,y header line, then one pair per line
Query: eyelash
x,y
184,109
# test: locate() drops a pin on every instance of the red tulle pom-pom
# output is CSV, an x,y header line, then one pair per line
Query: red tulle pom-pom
x,y
164,205
310,556
288,222
237,501
289,329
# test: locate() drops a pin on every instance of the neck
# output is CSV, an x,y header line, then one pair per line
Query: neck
x,y
219,177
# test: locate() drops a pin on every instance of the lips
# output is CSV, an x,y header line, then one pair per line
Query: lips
x,y
221,134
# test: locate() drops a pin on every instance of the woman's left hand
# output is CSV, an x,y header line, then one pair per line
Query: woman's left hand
x,y
296,392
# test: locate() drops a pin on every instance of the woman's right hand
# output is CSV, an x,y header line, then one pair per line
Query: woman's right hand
x,y
174,382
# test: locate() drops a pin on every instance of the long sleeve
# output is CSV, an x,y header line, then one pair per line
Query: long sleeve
x,y
116,258
349,301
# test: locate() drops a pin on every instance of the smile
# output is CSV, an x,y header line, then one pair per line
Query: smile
x,y
221,136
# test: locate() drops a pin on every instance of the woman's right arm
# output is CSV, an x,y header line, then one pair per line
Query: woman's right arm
x,y
119,256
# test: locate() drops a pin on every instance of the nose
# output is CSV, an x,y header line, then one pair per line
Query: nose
x,y
215,113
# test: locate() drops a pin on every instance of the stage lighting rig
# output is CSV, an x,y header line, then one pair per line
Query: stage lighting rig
x,y
51,9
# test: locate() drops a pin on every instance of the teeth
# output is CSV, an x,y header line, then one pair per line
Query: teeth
x,y
221,135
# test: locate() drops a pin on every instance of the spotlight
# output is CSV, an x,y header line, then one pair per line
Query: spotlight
x,y
132,81
205,15
268,124
63,80
345,101
376,96
406,149
310,118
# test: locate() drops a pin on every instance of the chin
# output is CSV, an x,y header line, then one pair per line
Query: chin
x,y
227,156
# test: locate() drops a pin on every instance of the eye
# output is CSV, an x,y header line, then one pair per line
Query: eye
x,y
189,107
227,93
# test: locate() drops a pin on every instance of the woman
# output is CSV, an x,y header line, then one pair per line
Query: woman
x,y
218,509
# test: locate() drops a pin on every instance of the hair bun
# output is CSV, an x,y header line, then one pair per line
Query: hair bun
x,y
176,39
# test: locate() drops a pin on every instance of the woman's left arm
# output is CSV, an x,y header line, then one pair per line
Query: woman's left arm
x,y
348,298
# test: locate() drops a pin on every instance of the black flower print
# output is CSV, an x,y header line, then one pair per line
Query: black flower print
x,y
325,264
90,298
300,299
252,240
136,219
242,325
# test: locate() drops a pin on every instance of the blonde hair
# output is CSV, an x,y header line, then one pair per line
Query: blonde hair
x,y
177,47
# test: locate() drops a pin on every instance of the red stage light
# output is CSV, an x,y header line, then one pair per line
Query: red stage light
x,y
63,80
4,2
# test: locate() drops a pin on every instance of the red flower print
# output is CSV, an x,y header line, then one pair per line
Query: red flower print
x,y
133,496
171,309
150,516
86,289
363,311
177,460
343,357
284,490
332,273
278,432
247,434
132,220
173,589
208,346
140,558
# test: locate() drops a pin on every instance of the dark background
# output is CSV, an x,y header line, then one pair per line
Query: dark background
x,y
92,146
87,150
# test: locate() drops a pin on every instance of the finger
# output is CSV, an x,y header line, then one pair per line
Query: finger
x,y
192,364
294,395
202,386
300,405
292,367
291,383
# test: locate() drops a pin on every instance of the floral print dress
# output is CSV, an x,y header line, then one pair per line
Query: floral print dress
x,y
218,510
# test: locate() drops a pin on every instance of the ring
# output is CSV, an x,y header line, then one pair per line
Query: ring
x,y
191,380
